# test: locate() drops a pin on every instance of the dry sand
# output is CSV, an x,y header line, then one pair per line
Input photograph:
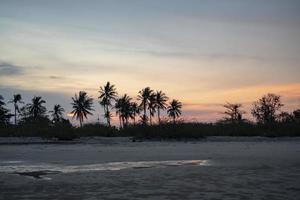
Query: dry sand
x,y
115,168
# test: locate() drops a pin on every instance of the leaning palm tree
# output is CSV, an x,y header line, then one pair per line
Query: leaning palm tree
x,y
82,106
57,113
144,96
107,94
174,109
36,108
161,103
17,99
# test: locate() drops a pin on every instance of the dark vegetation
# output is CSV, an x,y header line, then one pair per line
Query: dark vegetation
x,y
139,119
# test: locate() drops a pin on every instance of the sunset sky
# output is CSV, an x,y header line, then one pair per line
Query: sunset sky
x,y
201,52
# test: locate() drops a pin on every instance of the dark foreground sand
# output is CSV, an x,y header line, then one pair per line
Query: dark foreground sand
x,y
216,168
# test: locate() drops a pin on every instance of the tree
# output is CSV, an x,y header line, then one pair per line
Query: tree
x,y
233,113
174,109
57,113
144,97
161,103
285,117
135,109
296,115
36,108
17,99
107,94
4,113
265,109
152,106
124,110
82,106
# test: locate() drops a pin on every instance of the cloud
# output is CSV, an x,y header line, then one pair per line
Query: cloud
x,y
8,69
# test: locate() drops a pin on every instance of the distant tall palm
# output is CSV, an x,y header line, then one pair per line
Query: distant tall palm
x,y
144,97
161,103
174,109
57,113
17,99
107,94
36,108
82,106
152,106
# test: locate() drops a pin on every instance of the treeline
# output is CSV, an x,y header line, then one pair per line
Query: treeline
x,y
136,118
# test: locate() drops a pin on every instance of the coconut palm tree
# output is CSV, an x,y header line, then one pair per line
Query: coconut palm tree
x,y
161,103
152,106
82,106
57,113
17,99
135,109
144,96
107,94
36,108
124,110
174,109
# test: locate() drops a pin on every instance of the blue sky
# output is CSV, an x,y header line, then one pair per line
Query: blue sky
x,y
202,52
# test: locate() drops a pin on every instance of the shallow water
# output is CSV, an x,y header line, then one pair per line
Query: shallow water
x,y
216,168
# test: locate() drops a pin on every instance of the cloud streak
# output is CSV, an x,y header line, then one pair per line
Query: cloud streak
x,y
8,69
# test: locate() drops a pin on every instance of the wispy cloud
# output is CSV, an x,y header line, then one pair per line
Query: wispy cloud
x,y
9,69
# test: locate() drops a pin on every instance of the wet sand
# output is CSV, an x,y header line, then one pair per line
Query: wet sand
x,y
115,168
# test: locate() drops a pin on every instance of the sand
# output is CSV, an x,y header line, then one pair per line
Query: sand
x,y
116,168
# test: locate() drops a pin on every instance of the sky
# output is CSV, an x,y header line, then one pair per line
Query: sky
x,y
202,52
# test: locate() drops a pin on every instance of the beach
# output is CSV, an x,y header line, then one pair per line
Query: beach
x,y
117,168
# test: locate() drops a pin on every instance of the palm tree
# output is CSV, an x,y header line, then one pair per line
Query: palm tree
x,y
36,108
82,106
4,113
161,103
144,96
152,106
107,94
124,110
174,109
135,110
57,113
17,99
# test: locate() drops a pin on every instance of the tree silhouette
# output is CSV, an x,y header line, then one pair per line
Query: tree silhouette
x,y
265,109
124,110
107,94
17,99
135,109
152,106
161,103
174,109
233,112
144,97
82,106
296,115
4,113
57,113
36,108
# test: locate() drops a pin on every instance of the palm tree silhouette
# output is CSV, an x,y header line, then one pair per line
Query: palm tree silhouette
x,y
107,94
144,96
57,113
124,110
82,106
17,99
152,106
174,109
161,103
36,108
135,109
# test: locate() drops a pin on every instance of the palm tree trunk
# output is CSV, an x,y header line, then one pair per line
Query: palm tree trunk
x,y
108,119
158,115
150,118
80,122
145,115
174,120
120,121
